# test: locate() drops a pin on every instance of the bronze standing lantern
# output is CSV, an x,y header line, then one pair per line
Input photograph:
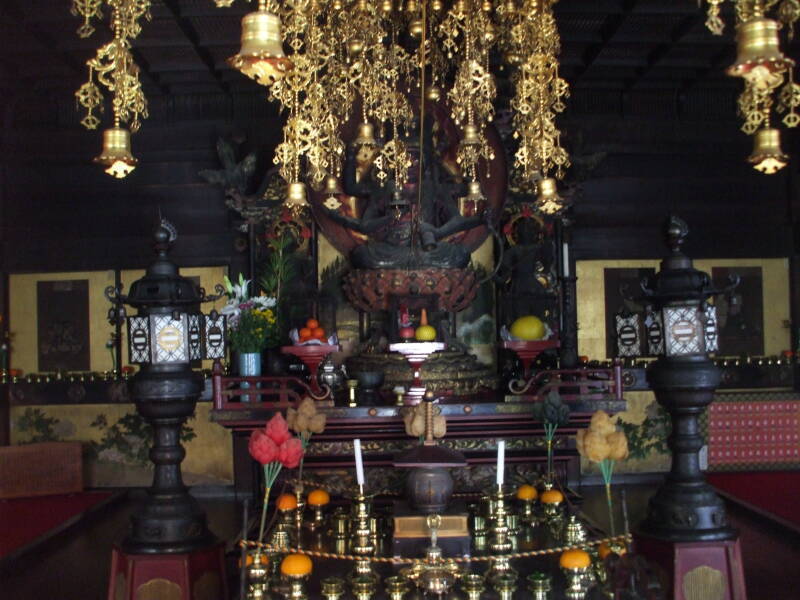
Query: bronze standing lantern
x,y
164,337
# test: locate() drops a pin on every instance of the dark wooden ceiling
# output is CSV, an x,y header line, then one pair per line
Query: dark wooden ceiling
x,y
608,44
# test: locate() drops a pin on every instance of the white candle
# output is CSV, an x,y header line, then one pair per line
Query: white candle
x,y
359,464
501,461
565,257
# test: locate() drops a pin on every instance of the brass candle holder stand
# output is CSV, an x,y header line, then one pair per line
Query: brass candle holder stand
x,y
539,585
578,580
340,524
352,384
297,587
396,586
528,511
362,542
472,584
257,577
500,532
505,585
364,587
332,588
499,566
574,532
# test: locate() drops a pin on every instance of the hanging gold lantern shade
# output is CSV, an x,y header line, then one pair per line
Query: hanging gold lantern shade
x,y
116,153
767,156
548,201
759,57
261,56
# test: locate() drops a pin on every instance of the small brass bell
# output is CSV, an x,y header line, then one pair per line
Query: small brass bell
x,y
387,7
433,93
548,201
337,5
261,56
355,46
486,6
767,156
296,196
469,204
415,29
471,135
489,33
332,185
412,7
759,57
474,191
437,5
365,135
116,153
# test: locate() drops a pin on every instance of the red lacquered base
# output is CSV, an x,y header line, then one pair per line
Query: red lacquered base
x,y
198,575
312,356
529,351
698,570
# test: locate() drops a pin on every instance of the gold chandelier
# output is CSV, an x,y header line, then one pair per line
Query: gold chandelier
x,y
766,71
113,68
365,59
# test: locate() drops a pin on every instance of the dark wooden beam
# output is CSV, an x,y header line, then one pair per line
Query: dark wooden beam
x,y
718,62
11,9
609,29
655,56
202,53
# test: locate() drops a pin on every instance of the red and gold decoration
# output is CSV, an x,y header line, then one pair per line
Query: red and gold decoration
x,y
767,74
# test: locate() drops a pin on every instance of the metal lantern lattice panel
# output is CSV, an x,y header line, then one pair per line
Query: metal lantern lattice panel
x,y
629,335
215,336
710,330
683,331
138,340
195,337
169,339
654,326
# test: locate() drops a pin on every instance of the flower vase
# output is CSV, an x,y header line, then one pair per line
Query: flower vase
x,y
249,366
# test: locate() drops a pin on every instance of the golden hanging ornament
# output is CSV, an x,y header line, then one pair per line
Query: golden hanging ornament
x,y
767,156
116,154
261,56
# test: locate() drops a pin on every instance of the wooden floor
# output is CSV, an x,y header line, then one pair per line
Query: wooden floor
x,y
74,565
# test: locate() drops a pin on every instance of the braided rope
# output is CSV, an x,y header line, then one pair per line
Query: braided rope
x,y
405,560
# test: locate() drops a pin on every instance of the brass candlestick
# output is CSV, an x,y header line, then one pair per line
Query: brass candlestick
x,y
364,586
340,523
399,394
362,542
332,588
500,532
506,585
396,586
352,384
577,582
539,585
297,587
574,531
257,578
472,585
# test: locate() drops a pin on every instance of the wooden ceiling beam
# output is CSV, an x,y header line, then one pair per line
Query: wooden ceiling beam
x,y
610,27
683,27
191,35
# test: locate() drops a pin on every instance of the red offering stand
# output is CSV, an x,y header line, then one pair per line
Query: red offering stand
x,y
312,355
529,351
416,353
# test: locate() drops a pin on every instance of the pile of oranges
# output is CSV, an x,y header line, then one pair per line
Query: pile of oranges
x,y
312,331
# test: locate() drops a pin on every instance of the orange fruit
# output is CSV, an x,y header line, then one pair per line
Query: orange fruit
x,y
296,564
551,497
527,492
312,323
575,559
318,497
305,332
317,332
605,549
286,502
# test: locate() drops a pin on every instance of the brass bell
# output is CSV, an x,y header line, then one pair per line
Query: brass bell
x,y
387,7
116,153
758,54
474,191
332,185
355,46
337,5
365,135
412,7
437,5
261,55
433,93
469,205
486,6
767,156
489,32
415,28
296,196
471,135
548,201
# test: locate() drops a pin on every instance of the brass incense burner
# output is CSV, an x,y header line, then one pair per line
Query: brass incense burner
x,y
436,574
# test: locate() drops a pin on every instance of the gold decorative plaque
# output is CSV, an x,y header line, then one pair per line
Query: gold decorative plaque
x,y
704,583
159,589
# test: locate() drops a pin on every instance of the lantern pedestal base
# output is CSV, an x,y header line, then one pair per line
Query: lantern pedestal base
x,y
197,575
697,570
